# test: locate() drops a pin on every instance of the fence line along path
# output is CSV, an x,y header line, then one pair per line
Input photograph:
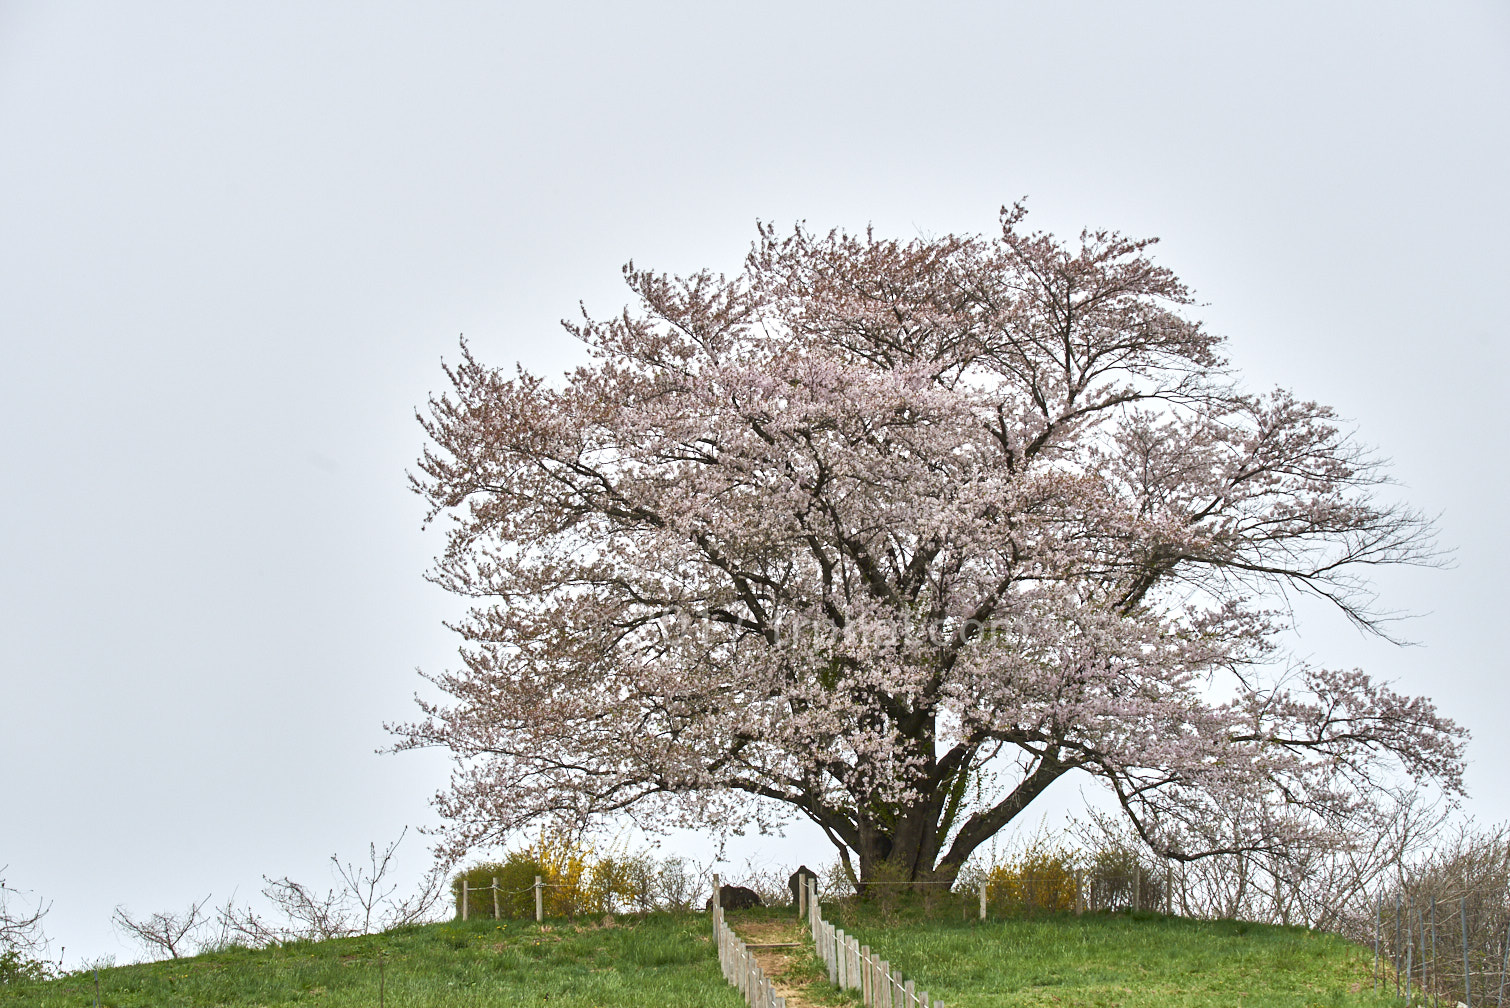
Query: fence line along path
x,y
851,966
737,960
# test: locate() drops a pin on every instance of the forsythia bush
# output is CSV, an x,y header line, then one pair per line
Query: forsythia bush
x,y
577,880
1041,878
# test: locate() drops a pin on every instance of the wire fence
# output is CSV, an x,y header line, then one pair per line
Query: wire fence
x,y
1433,945
984,896
1439,948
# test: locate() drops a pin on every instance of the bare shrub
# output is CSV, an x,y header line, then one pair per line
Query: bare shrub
x,y
364,900
175,934
20,928
676,883
1326,884
22,941
1462,883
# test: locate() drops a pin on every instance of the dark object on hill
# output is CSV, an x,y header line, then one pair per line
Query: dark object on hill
x,y
735,897
798,880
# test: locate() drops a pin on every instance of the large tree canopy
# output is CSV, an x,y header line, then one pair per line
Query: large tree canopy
x,y
892,535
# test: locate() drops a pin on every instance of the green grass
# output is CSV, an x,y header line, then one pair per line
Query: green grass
x,y
1130,961
1139,961
662,960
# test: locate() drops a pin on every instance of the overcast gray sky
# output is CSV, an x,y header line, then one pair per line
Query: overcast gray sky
x,y
237,239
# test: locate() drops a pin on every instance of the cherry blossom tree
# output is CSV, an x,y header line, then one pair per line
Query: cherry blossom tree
x,y
892,536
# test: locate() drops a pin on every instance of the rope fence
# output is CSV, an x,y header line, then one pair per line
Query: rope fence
x,y
538,888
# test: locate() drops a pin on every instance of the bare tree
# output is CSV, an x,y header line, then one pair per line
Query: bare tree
x,y
22,942
1463,880
167,932
365,885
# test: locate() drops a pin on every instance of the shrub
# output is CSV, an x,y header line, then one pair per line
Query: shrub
x,y
516,880
16,967
1042,877
1120,878
576,881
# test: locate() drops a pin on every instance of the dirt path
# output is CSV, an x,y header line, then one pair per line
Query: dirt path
x,y
777,963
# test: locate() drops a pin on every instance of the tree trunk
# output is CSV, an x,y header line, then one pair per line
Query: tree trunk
x,y
903,855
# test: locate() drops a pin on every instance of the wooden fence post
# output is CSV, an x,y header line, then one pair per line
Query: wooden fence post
x,y
496,915
1436,969
982,899
1378,920
464,894
839,959
539,900
1504,962
1467,980
1394,947
1410,946
1421,938
909,994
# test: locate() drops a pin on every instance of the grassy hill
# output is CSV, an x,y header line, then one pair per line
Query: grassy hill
x,y
663,960
1131,961
1095,960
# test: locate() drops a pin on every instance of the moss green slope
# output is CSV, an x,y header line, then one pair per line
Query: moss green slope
x,y
663,960
1131,961
1097,960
